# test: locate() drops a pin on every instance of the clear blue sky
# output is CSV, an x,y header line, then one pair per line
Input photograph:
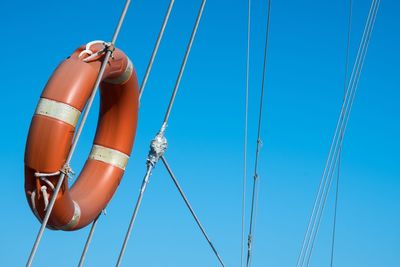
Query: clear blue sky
x,y
304,89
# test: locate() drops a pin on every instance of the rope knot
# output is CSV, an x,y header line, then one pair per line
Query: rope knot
x,y
67,170
108,46
92,55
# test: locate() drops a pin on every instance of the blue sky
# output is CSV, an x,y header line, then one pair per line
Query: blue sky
x,y
304,88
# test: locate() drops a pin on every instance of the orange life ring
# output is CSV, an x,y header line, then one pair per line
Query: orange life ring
x,y
52,129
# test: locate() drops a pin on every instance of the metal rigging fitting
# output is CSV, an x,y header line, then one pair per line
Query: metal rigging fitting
x,y
158,146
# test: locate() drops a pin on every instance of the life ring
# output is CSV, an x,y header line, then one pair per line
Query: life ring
x,y
52,130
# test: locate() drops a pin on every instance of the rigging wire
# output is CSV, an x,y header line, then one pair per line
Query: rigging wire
x,y
88,241
141,91
155,50
341,137
340,144
191,210
254,200
246,119
326,179
331,173
159,143
66,168
183,66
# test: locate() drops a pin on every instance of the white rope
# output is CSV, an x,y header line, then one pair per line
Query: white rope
x,y
43,188
44,174
47,182
88,46
86,51
45,196
92,55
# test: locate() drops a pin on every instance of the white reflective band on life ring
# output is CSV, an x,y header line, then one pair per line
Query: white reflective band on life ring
x,y
110,156
77,212
58,110
124,76
74,220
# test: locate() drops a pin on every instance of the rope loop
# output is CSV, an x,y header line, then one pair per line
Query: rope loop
x,y
66,170
108,47
43,189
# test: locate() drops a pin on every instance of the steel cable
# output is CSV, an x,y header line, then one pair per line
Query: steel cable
x,y
177,185
346,70
141,91
355,84
182,69
259,143
321,205
88,241
156,151
333,146
155,50
245,132
323,181
336,144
